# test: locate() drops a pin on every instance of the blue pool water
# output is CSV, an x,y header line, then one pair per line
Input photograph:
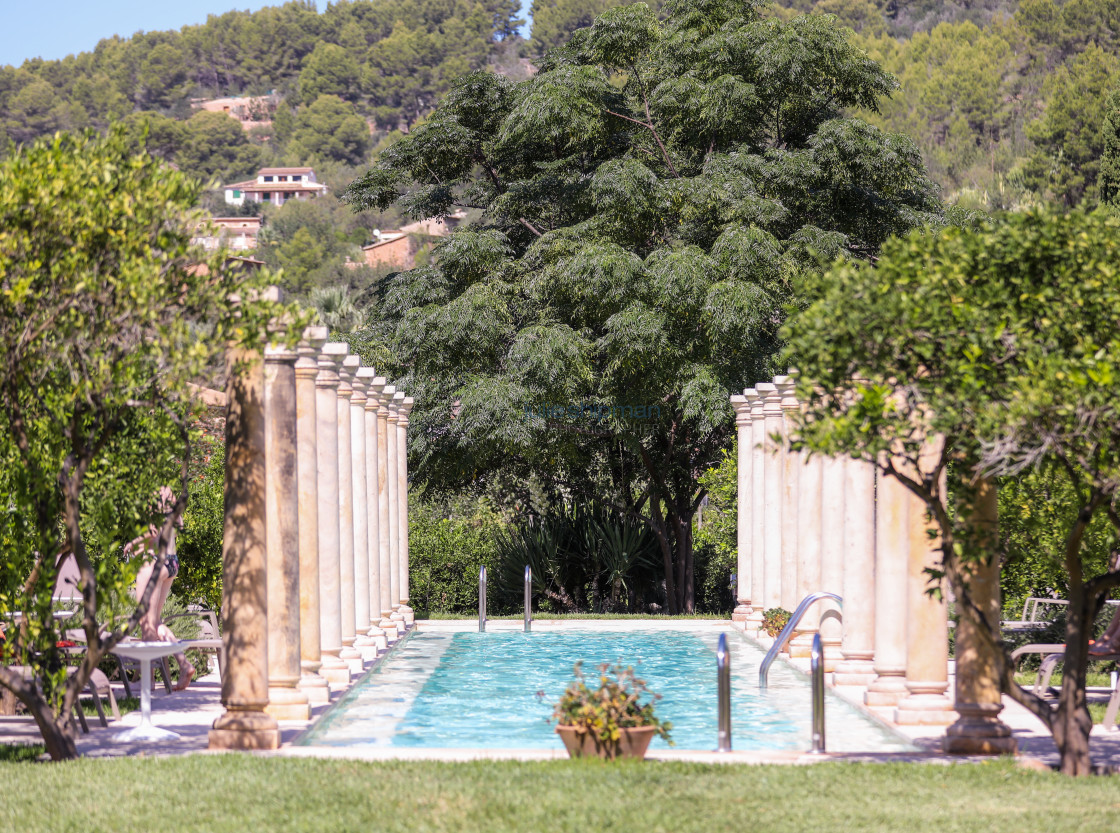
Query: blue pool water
x,y
496,690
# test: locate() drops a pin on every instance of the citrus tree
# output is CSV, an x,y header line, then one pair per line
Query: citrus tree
x,y
106,313
981,354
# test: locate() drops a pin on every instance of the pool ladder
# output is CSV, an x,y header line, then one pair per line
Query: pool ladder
x,y
816,663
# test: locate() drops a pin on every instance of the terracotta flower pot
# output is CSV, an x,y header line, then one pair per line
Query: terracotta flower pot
x,y
632,743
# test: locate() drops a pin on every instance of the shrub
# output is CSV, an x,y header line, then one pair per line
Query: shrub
x,y
773,620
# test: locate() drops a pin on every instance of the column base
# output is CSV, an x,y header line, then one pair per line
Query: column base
x,y
287,704
352,657
979,731
742,612
753,624
398,619
832,655
334,670
316,687
858,671
408,613
247,730
389,628
366,648
887,689
801,645
378,637
925,705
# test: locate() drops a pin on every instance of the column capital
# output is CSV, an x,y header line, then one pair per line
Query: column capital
x,y
307,365
373,392
756,402
787,391
385,397
346,371
395,407
404,410
360,384
742,410
279,353
330,358
771,397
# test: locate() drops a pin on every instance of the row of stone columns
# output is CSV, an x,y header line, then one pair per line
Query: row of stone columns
x,y
315,549
809,523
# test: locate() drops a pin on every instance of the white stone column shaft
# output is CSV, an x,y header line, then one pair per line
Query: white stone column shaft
x,y
743,503
792,463
403,411
833,486
892,555
362,642
773,504
334,668
810,484
387,625
394,515
311,681
285,700
758,509
858,642
346,514
373,510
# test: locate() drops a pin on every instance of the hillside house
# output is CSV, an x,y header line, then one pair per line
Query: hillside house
x,y
250,111
276,186
238,234
392,248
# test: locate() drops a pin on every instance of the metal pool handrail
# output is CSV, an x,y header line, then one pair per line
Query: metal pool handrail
x,y
787,631
816,672
723,675
482,599
528,598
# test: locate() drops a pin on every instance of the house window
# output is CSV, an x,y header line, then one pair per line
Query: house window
x,y
288,195
297,178
236,194
283,179
268,179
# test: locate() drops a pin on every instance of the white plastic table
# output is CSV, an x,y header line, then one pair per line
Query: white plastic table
x,y
145,652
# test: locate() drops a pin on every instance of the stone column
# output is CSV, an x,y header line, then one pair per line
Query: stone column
x,y
362,642
979,731
758,510
773,505
833,487
374,467
892,554
350,655
336,670
244,724
743,506
810,486
285,700
927,633
857,646
387,625
394,514
791,471
311,682
403,411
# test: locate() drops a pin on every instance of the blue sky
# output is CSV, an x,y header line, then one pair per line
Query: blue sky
x,y
46,29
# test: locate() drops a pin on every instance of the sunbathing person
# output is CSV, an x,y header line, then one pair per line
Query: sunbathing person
x,y
1109,642
152,628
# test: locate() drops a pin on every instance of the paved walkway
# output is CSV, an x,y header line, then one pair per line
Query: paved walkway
x,y
191,713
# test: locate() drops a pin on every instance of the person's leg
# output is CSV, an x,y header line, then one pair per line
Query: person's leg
x,y
149,622
1109,643
186,670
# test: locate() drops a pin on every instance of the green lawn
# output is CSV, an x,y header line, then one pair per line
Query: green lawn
x,y
240,793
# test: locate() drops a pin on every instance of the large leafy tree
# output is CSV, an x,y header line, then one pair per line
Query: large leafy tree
x,y
649,201
1001,342
106,314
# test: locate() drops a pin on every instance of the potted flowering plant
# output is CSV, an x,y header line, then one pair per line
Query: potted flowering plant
x,y
611,721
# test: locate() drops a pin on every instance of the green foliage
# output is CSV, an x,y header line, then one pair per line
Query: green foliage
x,y
1000,341
447,545
640,237
1108,180
200,540
328,70
773,620
615,705
717,548
330,129
105,317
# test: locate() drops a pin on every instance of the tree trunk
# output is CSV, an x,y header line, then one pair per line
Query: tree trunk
x,y
671,601
57,731
1072,722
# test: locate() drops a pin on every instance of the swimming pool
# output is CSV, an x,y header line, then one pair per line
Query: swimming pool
x,y
495,690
